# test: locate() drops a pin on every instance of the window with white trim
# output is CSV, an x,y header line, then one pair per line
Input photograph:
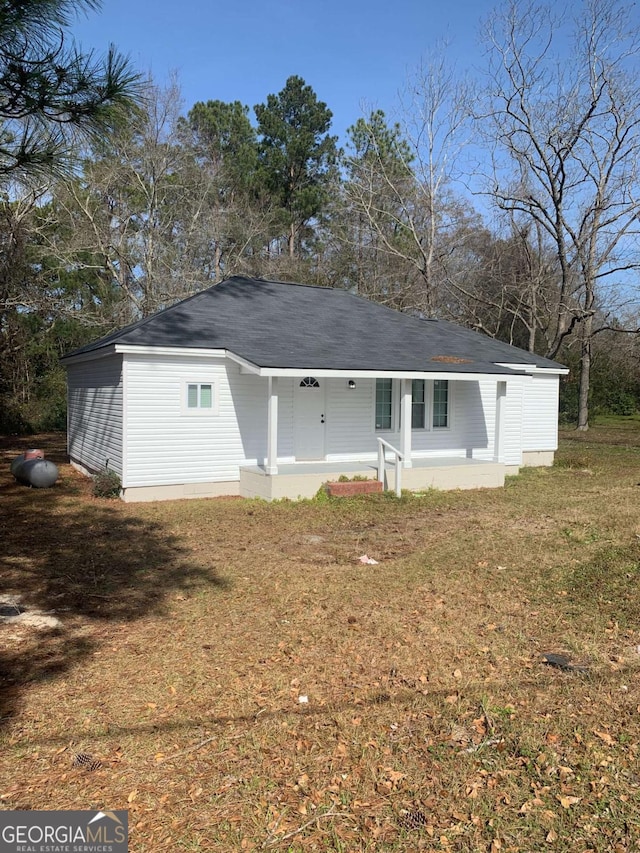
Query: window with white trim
x,y
384,404
440,403
199,395
200,398
430,407
418,404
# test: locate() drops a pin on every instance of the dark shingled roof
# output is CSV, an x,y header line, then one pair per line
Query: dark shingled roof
x,y
282,325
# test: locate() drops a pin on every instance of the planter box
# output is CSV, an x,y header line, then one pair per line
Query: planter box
x,y
354,487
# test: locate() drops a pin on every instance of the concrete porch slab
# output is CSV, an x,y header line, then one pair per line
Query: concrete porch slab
x,y
303,479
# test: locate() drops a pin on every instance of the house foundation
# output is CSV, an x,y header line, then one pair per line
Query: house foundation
x,y
302,480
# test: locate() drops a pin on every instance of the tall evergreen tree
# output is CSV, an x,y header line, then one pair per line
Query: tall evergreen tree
x,y
224,138
297,155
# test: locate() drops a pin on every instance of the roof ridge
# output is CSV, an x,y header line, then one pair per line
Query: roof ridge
x,y
291,283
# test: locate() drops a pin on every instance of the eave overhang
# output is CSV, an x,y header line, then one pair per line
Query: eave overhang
x,y
471,372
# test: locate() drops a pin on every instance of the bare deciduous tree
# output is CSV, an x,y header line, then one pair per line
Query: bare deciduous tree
x,y
566,129
143,211
400,187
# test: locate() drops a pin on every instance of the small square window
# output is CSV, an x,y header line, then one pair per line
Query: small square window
x,y
200,397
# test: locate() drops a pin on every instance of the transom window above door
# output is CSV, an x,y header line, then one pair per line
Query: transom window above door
x,y
309,382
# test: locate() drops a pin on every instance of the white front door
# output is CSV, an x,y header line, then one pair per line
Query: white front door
x,y
309,410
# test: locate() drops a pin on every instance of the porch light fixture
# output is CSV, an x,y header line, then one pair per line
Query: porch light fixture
x,y
351,384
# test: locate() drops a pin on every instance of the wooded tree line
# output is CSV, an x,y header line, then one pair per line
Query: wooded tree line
x,y
508,203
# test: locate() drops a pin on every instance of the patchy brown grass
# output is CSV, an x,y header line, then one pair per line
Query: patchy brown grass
x,y
190,631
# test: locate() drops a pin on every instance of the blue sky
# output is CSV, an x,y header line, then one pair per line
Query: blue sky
x,y
354,53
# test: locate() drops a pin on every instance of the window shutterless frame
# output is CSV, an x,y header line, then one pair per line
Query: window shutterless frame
x,y
430,405
440,410
199,399
384,414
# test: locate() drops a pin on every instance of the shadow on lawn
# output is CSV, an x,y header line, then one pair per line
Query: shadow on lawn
x,y
86,561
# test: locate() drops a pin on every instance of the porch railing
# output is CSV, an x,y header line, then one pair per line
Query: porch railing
x,y
382,462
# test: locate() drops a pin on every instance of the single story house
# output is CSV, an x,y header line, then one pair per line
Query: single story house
x,y
269,389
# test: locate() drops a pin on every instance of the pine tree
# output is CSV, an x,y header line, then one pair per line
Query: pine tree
x,y
224,138
297,155
52,96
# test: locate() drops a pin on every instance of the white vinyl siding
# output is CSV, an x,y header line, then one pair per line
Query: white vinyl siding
x,y
350,422
95,420
476,403
351,432
285,418
471,414
166,445
512,437
539,411
540,414
471,430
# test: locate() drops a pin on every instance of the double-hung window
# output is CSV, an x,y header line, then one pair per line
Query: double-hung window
x,y
430,404
440,403
418,404
384,404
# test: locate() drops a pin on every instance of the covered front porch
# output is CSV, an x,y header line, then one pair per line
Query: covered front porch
x,y
468,453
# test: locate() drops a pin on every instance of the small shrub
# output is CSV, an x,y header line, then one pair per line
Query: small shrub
x,y
107,484
322,495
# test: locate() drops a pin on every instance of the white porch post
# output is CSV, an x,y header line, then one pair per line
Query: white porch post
x,y
498,438
272,427
405,429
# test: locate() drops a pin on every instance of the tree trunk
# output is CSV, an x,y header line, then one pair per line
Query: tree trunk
x,y
291,240
532,332
585,375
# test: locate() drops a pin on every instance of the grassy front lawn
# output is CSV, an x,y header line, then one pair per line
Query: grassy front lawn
x,y
192,632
